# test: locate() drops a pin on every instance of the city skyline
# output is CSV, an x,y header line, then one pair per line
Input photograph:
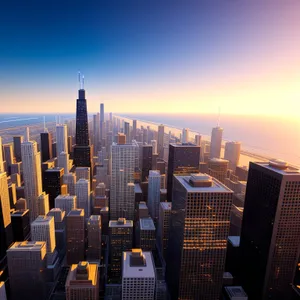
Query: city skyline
x,y
203,54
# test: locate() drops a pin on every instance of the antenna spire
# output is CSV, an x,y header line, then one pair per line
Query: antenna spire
x,y
79,80
83,82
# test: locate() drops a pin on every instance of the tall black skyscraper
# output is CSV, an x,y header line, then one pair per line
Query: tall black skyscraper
x,y
18,140
184,159
46,146
145,160
101,123
269,247
82,149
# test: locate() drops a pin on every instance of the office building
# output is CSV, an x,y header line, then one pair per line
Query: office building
x,y
185,135
235,293
12,192
96,132
2,291
21,204
43,204
75,236
26,266
15,168
52,183
145,161
147,234
83,173
120,237
66,202
138,275
94,238
100,199
127,131
20,225
102,134
197,242
270,237
160,141
143,211
17,141
232,154
133,134
154,185
183,160
61,138
82,149
9,155
217,168
70,181
216,142
63,161
83,282
83,195
124,163
31,161
6,236
165,209
154,146
46,146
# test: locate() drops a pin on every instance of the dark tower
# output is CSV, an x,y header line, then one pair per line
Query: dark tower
x,y
46,146
82,149
101,122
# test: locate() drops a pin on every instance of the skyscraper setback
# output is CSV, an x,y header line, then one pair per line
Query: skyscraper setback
x,y
82,149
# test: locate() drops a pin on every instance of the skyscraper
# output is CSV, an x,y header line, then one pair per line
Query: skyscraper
x,y
199,228
232,153
83,282
185,135
138,275
270,230
134,130
66,203
217,167
17,140
160,141
61,138
145,161
26,266
96,132
164,226
31,160
46,146
154,193
94,238
63,161
82,149
2,291
102,137
124,163
70,180
183,160
75,236
127,131
82,190
216,142
9,155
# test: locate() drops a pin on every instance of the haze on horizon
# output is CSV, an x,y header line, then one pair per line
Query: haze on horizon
x,y
155,57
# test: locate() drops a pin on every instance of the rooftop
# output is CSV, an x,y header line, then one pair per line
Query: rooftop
x,y
235,291
42,220
142,205
25,246
166,205
76,213
147,224
139,271
216,187
234,240
18,213
219,160
115,223
184,145
280,167
92,275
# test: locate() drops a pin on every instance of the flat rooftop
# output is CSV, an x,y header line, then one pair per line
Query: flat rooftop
x,y
280,167
25,246
42,220
92,276
18,213
216,187
115,223
166,205
147,224
76,213
142,205
184,145
146,271
236,291
137,188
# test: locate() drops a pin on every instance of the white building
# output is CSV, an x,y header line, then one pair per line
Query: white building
x,y
63,159
70,181
138,275
82,190
61,139
154,186
185,135
216,142
66,202
154,146
43,229
124,162
31,160
232,153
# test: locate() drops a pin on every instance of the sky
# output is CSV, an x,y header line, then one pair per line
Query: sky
x,y
154,56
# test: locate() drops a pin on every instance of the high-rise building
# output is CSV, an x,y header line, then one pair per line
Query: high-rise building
x,y
217,167
102,135
154,182
42,229
52,183
185,135
199,228
63,161
70,181
26,266
216,142
2,291
46,146
232,154
61,139
83,173
43,204
160,141
20,225
9,155
147,234
82,149
127,131
75,236
145,161
1,156
83,282
120,237
31,160
6,236
134,130
138,275
17,140
94,238
165,209
154,146
66,202
270,230
124,163
83,195
183,160
60,229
